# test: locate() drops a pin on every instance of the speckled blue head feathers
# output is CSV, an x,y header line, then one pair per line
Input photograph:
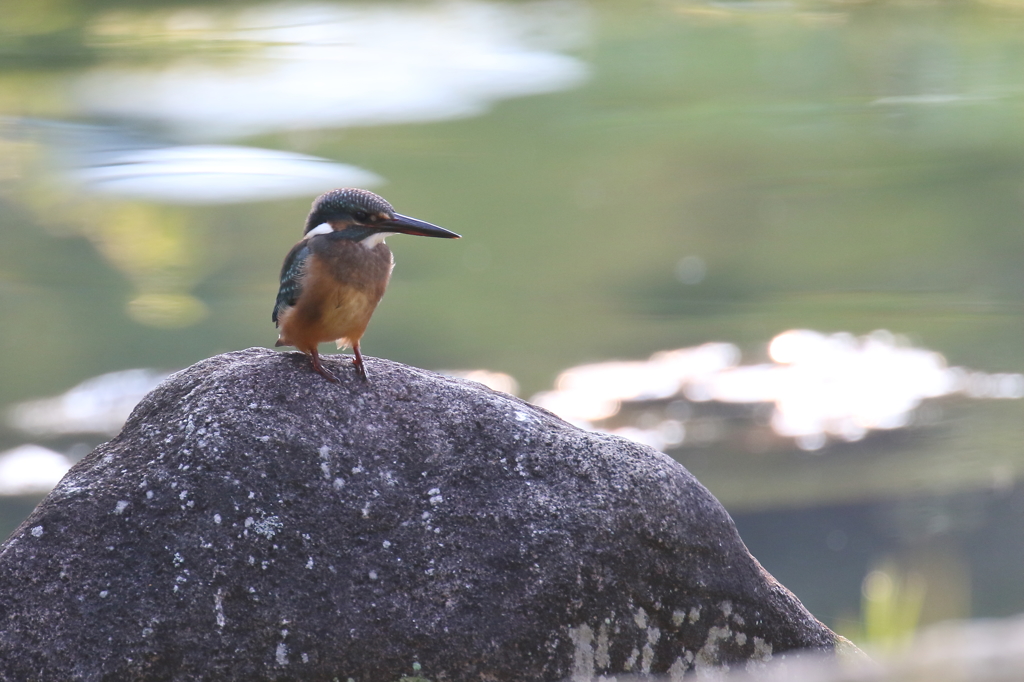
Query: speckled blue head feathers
x,y
347,203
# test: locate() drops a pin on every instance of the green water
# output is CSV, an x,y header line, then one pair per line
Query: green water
x,y
834,166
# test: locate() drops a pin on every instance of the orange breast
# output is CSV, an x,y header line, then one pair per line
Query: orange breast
x,y
341,288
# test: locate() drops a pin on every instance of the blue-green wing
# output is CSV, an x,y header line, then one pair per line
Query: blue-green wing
x,y
291,278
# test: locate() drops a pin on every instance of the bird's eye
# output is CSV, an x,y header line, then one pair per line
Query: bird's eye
x,y
361,216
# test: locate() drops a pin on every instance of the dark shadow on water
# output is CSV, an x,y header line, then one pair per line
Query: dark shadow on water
x,y
969,548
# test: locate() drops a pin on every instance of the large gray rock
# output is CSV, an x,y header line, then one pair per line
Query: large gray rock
x,y
254,522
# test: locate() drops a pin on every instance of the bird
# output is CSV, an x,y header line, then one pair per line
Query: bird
x,y
333,279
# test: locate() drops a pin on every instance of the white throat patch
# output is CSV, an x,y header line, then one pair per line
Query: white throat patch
x,y
322,228
375,238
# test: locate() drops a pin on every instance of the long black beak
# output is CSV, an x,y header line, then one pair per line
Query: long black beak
x,y
406,225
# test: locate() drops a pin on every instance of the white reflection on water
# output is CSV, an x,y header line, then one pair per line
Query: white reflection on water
x,y
123,164
215,174
97,405
821,387
496,381
31,470
590,393
318,66
932,99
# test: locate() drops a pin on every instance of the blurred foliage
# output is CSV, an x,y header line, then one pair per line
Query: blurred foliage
x,y
891,606
902,593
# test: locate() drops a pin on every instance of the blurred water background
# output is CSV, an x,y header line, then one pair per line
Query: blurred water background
x,y
781,241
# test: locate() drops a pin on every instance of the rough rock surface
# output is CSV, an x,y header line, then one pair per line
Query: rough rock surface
x,y
254,522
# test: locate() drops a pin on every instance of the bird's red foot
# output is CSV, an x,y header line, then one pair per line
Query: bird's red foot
x,y
358,362
321,370
327,374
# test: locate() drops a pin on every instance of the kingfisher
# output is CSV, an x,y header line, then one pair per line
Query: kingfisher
x,y
333,279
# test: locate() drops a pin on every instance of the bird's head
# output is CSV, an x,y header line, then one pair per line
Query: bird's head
x,y
363,216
